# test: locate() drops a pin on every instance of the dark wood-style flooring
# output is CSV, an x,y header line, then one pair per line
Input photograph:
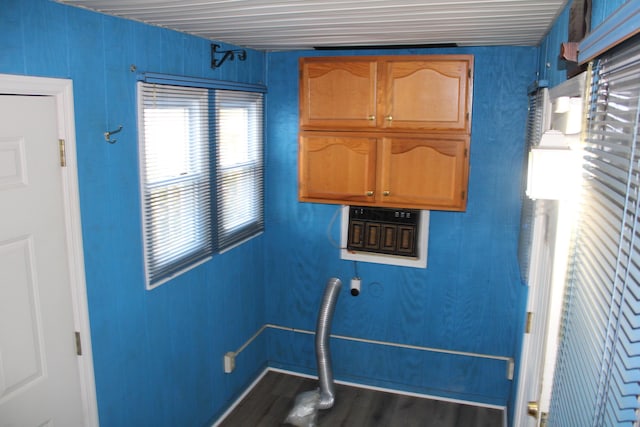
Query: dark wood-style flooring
x,y
269,403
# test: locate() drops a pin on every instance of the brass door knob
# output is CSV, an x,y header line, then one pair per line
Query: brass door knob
x,y
389,118
371,118
386,193
369,193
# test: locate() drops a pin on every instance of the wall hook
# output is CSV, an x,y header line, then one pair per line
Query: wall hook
x,y
226,54
107,135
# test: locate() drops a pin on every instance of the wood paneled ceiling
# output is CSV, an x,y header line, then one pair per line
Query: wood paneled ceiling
x,y
305,24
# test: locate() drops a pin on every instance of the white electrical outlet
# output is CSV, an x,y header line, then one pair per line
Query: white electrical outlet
x,y
229,362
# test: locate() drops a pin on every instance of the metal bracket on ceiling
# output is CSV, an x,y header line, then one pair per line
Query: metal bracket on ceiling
x,y
241,54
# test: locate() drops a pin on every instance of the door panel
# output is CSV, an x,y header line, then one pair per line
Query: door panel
x,y
338,93
424,171
426,95
39,377
337,167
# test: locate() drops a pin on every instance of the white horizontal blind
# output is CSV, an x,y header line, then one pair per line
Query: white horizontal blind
x,y
239,166
537,102
175,178
598,369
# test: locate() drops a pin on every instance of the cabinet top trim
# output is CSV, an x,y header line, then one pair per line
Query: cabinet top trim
x,y
383,58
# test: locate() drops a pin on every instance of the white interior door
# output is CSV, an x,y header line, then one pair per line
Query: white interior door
x,y
552,230
39,374
534,343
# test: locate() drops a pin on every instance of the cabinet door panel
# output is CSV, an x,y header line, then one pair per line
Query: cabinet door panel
x,y
426,95
427,172
337,169
337,94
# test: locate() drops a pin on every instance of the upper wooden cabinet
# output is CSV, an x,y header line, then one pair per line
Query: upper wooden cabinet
x,y
400,93
337,168
387,131
338,93
426,93
418,171
394,170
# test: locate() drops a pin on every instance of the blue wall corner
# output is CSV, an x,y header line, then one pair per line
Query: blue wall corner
x,y
469,297
158,354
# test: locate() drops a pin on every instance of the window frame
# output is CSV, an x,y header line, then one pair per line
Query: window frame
x,y
178,265
229,237
598,353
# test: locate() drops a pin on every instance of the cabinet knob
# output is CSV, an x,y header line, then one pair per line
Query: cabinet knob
x,y
369,193
389,118
371,117
386,193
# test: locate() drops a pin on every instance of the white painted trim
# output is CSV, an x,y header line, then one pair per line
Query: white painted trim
x,y
537,303
62,91
508,360
574,87
551,240
363,386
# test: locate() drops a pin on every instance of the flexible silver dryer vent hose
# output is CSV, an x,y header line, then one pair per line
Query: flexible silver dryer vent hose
x,y
323,330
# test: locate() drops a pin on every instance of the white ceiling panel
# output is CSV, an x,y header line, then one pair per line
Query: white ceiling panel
x,y
295,25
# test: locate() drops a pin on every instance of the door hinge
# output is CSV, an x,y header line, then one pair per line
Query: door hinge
x,y
544,419
63,153
78,344
527,326
463,194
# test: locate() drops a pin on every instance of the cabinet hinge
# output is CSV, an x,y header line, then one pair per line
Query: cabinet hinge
x,y
466,152
63,153
78,344
463,194
527,326
469,73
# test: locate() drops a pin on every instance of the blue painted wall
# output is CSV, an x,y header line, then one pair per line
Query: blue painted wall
x,y
470,298
601,9
158,354
550,66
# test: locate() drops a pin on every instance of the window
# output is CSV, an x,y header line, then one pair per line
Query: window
x,y
538,98
597,378
239,166
200,174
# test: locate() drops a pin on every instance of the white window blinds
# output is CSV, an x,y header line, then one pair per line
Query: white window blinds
x,y
598,368
175,178
537,101
239,166
201,172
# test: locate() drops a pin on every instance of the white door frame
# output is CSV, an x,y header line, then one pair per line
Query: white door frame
x,y
62,91
546,287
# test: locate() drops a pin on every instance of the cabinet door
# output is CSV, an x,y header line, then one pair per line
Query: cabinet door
x,y
427,93
338,93
429,173
335,168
